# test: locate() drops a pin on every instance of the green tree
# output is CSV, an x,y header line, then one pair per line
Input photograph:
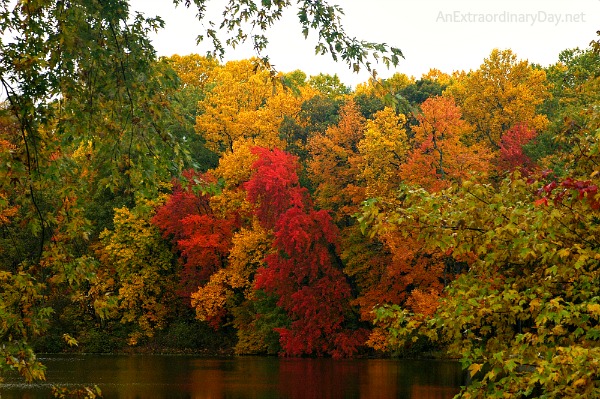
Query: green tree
x,y
84,102
196,78
573,81
24,317
330,86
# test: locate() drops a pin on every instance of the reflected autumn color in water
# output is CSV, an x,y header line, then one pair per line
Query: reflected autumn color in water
x,y
153,376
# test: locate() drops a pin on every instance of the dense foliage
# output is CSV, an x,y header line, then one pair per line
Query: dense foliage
x,y
183,203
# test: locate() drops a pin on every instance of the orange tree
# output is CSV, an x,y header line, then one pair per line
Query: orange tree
x,y
440,155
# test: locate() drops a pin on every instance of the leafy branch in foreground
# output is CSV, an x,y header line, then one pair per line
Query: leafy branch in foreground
x,y
241,17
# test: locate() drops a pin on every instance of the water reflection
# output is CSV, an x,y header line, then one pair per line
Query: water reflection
x,y
153,376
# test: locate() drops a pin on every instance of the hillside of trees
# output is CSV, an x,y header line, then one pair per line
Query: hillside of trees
x,y
186,204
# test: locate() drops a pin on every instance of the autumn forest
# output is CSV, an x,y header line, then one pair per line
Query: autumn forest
x,y
185,204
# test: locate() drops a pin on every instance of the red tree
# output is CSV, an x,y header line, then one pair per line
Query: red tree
x,y
511,149
304,272
202,238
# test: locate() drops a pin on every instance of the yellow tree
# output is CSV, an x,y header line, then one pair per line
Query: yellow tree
x,y
231,292
436,75
194,70
139,265
382,151
235,168
502,93
383,88
245,102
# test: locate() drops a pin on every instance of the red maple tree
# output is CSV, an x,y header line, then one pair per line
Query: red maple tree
x,y
511,156
304,272
202,238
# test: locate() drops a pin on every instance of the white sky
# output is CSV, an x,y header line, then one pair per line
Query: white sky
x,y
443,34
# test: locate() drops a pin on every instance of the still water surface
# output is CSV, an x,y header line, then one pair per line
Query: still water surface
x,y
158,377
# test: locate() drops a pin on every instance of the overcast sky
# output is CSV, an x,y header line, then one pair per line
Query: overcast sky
x,y
445,34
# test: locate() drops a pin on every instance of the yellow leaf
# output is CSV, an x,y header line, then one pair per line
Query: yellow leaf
x,y
593,308
474,368
579,382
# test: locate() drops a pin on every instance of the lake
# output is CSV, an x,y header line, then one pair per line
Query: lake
x,y
173,376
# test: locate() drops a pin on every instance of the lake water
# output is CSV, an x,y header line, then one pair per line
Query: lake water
x,y
170,376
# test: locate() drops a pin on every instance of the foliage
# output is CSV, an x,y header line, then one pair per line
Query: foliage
x,y
202,238
422,89
512,155
142,272
303,272
523,318
244,103
257,322
503,92
440,155
316,114
23,316
331,165
390,91
368,263
383,149
243,20
328,85
263,236
82,124
79,393
195,79
574,87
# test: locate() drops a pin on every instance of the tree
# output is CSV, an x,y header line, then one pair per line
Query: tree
x,y
512,155
502,93
196,77
202,238
84,100
573,83
13,243
430,85
368,104
91,124
245,103
195,70
383,150
440,155
329,86
389,91
303,271
142,271
231,292
523,316
24,317
416,273
330,164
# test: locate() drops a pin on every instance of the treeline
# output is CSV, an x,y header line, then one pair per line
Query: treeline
x,y
187,204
